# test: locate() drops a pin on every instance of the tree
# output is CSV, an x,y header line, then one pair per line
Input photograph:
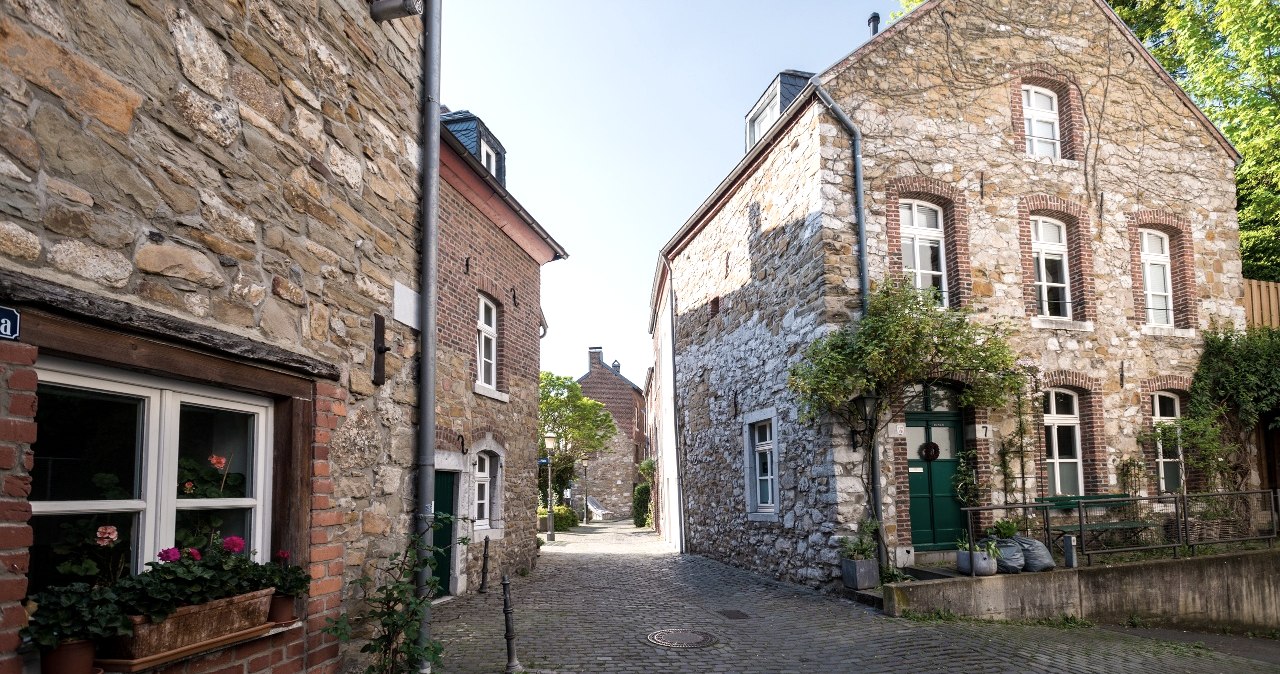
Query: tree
x,y
904,340
582,426
1226,55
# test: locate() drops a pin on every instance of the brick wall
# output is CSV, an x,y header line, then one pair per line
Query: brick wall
x,y
612,475
17,432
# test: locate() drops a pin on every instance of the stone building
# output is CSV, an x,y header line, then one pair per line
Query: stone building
x,y
1029,160
208,211
611,476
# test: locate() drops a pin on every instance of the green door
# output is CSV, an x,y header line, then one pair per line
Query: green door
x,y
936,520
442,538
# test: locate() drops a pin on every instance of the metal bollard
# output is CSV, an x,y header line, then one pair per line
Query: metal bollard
x,y
484,568
513,665
1069,552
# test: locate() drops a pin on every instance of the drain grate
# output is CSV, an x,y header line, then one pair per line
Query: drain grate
x,y
682,639
733,614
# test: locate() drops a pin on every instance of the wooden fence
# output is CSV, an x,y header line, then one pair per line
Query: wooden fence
x,y
1262,302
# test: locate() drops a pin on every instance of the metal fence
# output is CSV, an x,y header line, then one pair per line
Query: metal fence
x,y
1181,523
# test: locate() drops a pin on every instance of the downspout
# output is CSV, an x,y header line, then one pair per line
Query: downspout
x,y
429,172
859,210
675,404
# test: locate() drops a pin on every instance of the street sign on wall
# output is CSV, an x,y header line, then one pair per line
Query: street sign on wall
x,y
8,323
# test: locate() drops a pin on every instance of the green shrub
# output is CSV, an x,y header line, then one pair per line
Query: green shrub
x,y
566,518
640,505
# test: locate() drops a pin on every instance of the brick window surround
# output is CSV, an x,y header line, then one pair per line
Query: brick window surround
x,y
1180,387
1070,110
1092,457
491,292
1181,265
1079,252
955,223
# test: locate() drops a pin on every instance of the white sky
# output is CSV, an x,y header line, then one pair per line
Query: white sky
x,y
619,118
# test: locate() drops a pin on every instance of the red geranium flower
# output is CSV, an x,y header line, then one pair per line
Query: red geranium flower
x,y
233,544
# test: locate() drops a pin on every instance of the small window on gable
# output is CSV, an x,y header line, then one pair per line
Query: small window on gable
x,y
1157,283
924,259
488,158
1052,268
763,120
1040,121
487,344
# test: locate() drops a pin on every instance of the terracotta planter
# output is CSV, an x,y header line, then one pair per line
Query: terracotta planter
x,y
282,609
192,625
68,657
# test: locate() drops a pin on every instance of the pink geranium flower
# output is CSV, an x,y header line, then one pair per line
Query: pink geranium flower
x,y
194,553
233,544
188,487
169,555
107,536
218,462
282,555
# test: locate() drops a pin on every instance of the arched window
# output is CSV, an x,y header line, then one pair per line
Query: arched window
x,y
923,246
1157,282
1062,442
487,344
1041,126
1052,267
1165,410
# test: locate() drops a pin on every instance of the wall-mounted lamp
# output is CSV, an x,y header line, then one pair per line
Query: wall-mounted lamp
x,y
387,10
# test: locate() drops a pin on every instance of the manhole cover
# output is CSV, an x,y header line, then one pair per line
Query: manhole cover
x,y
682,639
733,614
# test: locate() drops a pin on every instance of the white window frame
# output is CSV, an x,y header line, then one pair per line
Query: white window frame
x,y
484,478
488,158
485,331
757,510
1158,420
158,465
1153,264
1041,146
917,238
759,123
1042,250
1054,421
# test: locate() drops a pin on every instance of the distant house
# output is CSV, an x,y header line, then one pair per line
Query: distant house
x,y
204,246
611,476
1031,162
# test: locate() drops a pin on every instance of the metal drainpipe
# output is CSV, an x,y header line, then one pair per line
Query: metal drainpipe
x,y
863,283
429,171
671,300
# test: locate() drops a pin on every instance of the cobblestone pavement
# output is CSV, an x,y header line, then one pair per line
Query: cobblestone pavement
x,y
597,593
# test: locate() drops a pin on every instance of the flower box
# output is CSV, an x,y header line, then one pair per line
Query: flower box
x,y
191,629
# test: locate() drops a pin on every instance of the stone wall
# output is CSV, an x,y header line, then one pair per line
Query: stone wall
x,y
611,475
776,264
251,168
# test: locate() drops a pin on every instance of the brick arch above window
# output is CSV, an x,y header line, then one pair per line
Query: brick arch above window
x,y
1173,384
955,223
1169,382
1181,264
1079,251
1088,392
1070,107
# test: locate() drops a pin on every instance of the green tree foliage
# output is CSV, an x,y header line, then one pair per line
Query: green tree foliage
x,y
582,426
1226,54
640,500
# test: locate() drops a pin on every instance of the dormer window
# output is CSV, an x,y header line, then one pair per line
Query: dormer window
x,y
762,120
780,94
488,158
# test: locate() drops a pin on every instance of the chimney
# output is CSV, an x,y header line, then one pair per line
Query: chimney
x,y
595,355
874,22
617,367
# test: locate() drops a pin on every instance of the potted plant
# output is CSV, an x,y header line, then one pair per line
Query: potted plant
x,y
290,582
67,620
859,568
978,559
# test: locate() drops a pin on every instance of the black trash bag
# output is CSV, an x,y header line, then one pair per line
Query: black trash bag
x,y
1011,559
1038,557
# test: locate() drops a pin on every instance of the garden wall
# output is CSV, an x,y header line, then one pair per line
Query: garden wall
x,y
1238,591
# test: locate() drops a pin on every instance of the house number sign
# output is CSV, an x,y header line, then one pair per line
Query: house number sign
x,y
8,323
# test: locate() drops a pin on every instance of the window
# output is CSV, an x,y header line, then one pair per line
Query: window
x,y
1156,282
764,466
1049,253
127,465
923,260
488,158
1165,409
1062,442
486,467
487,344
760,123
1040,122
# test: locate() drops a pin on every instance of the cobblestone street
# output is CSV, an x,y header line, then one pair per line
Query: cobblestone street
x,y
598,592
